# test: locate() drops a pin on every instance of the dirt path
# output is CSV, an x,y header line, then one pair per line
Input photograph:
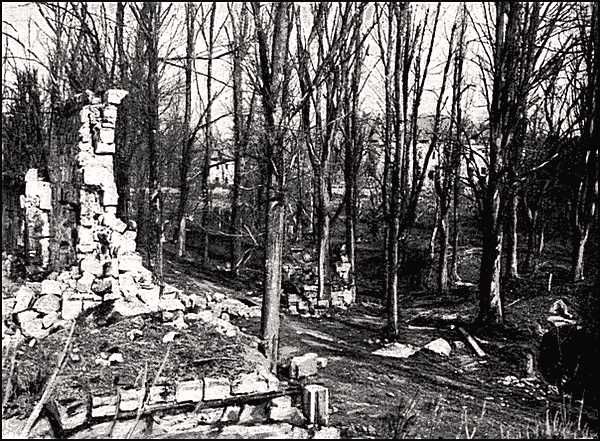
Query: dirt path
x,y
368,390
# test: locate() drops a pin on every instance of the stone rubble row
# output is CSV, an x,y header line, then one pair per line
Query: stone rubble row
x,y
40,307
300,294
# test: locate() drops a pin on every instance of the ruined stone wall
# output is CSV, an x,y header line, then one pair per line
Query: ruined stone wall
x,y
62,170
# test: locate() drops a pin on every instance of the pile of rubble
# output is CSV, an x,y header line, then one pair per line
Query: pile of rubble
x,y
38,308
300,284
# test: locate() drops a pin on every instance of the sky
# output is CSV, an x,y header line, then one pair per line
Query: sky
x,y
24,22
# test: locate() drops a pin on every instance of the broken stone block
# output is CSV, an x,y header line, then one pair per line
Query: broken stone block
x,y
171,305
130,262
315,404
104,406
128,287
26,316
24,296
111,268
397,350
71,308
204,316
72,414
208,416
114,96
439,346
109,115
104,148
31,175
92,265
161,394
304,365
84,283
231,414
89,304
111,221
101,286
302,306
110,196
42,429
323,304
32,189
253,414
150,297
249,383
34,328
191,390
47,304
327,433
130,399
106,136
49,319
459,345
321,362
8,306
223,327
95,175
281,409
85,236
45,195
51,287
216,388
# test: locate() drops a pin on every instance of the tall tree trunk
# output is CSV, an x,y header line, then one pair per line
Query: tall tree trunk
x,y
434,235
187,141
323,239
511,236
155,197
273,87
454,277
123,156
443,251
208,140
235,250
350,231
491,309
580,236
531,241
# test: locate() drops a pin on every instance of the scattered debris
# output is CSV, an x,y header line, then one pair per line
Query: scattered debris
x,y
471,342
439,346
397,350
169,337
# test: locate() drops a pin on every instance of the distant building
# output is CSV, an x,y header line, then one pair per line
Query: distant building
x,y
221,170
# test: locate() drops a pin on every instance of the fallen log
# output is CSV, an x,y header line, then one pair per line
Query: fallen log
x,y
471,342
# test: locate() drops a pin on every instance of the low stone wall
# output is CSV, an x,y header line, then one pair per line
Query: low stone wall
x,y
251,404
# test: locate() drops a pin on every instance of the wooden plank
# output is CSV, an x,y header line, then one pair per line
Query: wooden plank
x,y
472,342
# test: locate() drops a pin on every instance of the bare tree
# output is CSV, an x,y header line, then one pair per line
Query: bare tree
x,y
584,199
404,168
190,19
448,170
273,90
239,48
515,58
